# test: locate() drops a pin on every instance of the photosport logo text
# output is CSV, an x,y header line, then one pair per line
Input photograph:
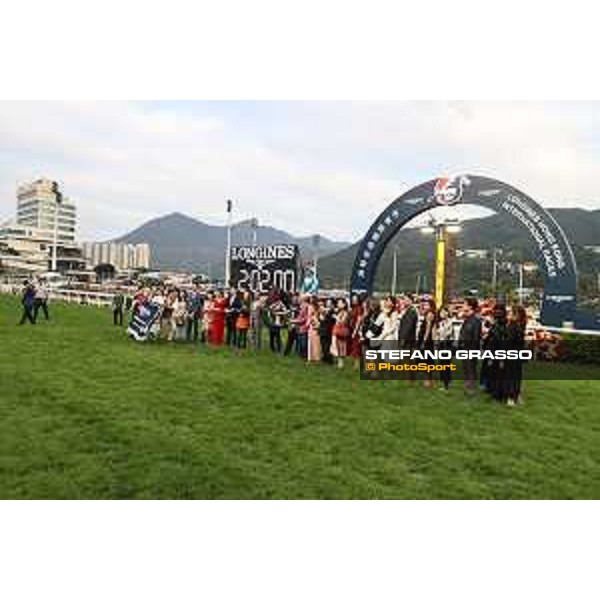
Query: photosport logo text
x,y
542,360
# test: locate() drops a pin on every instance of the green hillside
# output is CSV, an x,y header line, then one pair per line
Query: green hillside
x,y
416,253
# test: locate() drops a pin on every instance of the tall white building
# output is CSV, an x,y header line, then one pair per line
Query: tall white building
x,y
45,219
41,204
121,256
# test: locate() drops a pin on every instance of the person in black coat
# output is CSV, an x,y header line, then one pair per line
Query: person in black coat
x,y
498,340
517,324
326,323
27,300
470,339
232,310
407,329
484,372
425,336
407,323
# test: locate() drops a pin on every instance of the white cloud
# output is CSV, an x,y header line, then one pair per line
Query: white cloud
x,y
326,167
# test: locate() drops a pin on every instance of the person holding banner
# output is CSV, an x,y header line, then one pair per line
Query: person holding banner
x,y
275,315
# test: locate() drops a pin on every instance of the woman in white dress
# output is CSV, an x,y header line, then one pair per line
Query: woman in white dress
x,y
178,318
387,323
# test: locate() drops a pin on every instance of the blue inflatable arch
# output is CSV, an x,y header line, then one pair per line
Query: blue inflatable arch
x,y
552,250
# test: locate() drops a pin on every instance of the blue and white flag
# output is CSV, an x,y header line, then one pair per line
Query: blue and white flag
x,y
142,322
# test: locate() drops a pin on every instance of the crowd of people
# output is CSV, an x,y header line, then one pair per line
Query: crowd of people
x,y
329,330
335,331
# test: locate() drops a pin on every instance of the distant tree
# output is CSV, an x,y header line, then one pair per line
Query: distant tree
x,y
104,272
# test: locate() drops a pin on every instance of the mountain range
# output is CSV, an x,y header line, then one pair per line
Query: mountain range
x,y
179,242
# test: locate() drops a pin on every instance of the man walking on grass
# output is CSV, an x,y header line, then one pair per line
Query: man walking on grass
x,y
27,300
40,301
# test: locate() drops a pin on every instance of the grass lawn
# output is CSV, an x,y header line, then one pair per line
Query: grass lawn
x,y
87,413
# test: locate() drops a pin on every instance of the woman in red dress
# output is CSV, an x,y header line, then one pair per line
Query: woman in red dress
x,y
216,331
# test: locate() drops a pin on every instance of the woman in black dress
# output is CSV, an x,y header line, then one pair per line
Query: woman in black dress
x,y
444,335
425,336
498,340
517,323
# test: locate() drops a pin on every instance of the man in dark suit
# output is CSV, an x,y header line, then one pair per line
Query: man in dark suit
x,y
232,310
27,300
407,328
407,323
470,339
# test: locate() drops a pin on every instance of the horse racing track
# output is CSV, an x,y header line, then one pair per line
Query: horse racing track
x,y
87,413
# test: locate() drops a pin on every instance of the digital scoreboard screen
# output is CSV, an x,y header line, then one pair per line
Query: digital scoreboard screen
x,y
263,268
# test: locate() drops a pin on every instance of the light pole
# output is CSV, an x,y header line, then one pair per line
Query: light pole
x,y
520,283
316,244
441,229
254,225
395,270
55,240
522,268
228,250
495,271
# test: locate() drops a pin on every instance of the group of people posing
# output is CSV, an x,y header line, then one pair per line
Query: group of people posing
x,y
318,330
331,330
400,324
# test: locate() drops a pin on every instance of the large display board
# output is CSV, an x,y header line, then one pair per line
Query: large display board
x,y
261,269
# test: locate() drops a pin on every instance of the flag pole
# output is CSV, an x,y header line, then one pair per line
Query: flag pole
x,y
228,250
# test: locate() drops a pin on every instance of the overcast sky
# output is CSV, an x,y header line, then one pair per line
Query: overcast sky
x,y
306,167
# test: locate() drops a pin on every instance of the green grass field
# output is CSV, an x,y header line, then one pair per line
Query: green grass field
x,y
87,413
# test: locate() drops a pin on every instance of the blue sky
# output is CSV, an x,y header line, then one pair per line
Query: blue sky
x,y
327,167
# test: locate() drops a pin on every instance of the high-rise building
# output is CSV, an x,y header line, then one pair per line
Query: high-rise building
x,y
119,255
42,237
41,204
142,256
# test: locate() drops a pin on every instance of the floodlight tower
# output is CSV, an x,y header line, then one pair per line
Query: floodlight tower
x,y
442,230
